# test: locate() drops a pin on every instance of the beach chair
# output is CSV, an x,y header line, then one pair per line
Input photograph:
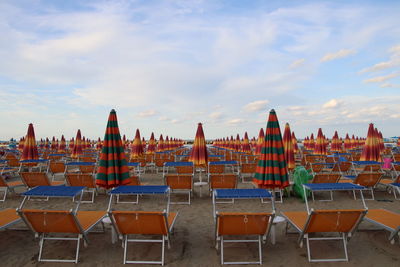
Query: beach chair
x,y
86,180
56,168
8,186
366,179
33,179
143,223
47,224
222,181
242,224
247,170
8,217
385,219
342,222
88,169
325,178
342,167
180,183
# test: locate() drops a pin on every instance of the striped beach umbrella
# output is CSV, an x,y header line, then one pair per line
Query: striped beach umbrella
x,y
271,171
144,145
320,145
160,145
311,142
47,144
136,147
347,142
294,142
167,144
21,144
199,155
260,142
113,167
288,148
53,144
99,144
71,144
62,147
151,148
371,147
335,145
381,143
77,149
246,144
30,148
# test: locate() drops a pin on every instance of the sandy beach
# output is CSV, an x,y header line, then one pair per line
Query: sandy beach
x,y
193,242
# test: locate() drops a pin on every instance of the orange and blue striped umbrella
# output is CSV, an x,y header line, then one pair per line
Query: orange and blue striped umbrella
x,y
30,148
246,144
320,145
151,148
271,171
113,167
136,147
260,142
77,150
288,148
199,155
370,150
62,147
294,142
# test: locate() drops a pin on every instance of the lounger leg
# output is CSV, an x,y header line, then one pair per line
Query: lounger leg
x,y
222,250
77,248
163,249
5,195
345,246
308,247
41,243
259,249
125,247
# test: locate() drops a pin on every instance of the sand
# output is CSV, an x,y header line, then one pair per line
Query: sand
x,y
193,242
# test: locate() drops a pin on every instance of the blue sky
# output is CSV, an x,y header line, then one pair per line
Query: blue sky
x,y
167,65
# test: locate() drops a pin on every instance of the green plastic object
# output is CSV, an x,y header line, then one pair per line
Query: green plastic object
x,y
301,176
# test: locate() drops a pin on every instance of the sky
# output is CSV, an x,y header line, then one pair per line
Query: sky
x,y
164,66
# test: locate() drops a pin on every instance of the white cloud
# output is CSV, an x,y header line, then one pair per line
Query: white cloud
x,y
235,122
147,113
216,115
297,63
393,62
339,54
380,79
389,85
258,105
333,103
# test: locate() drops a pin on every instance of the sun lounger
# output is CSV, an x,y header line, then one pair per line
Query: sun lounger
x,y
219,181
33,179
86,180
8,186
367,179
388,220
342,222
8,217
180,183
247,170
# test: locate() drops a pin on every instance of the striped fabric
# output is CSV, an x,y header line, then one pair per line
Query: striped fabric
x,y
77,149
199,155
294,142
137,147
113,169
62,146
288,146
160,146
271,171
371,151
30,150
246,144
260,142
151,148
320,144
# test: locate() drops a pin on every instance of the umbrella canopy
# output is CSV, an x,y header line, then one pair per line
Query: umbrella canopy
x,y
30,149
53,145
271,171
99,144
144,144
62,146
113,167
320,145
21,144
311,142
167,144
288,148
77,150
136,147
260,142
347,142
294,142
246,144
336,145
371,148
381,143
199,155
151,148
160,146
71,144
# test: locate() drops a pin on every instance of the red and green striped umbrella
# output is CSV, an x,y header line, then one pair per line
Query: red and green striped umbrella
x,y
77,150
62,146
320,145
30,148
136,147
271,171
294,142
288,148
260,142
246,144
113,167
151,148
371,147
199,155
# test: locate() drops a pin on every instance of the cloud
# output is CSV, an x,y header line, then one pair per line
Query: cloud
x,y
333,103
339,54
147,113
380,79
389,85
297,63
216,115
393,62
256,106
235,122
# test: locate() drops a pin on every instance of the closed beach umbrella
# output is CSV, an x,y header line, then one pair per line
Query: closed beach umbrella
x,y
260,142
246,145
151,148
99,144
53,143
136,147
160,146
288,148
62,146
370,150
199,155
144,144
113,167
30,148
320,145
21,144
71,144
167,144
347,142
311,142
271,171
294,142
335,144
77,150
381,143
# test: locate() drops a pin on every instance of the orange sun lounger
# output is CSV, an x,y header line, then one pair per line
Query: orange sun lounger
x,y
33,179
8,217
242,224
343,222
143,223
388,220
8,186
